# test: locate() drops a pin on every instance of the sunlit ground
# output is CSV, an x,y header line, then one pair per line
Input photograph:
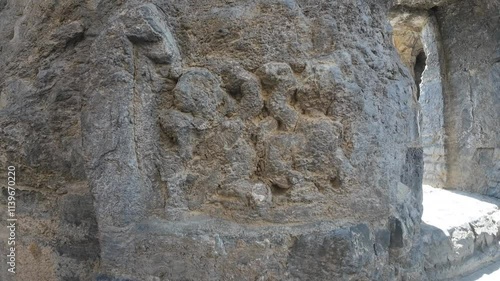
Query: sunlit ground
x,y
445,209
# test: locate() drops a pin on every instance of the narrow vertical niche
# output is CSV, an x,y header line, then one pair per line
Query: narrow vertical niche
x,y
418,69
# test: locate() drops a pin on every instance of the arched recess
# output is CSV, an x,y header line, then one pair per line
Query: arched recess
x,y
416,37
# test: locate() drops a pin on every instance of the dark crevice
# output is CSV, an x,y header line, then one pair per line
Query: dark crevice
x,y
396,229
473,231
276,190
419,69
336,182
433,10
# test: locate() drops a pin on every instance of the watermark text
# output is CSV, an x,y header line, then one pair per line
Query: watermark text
x,y
11,219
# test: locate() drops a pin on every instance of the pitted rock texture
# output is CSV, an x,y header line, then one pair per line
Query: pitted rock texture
x,y
407,33
423,4
211,140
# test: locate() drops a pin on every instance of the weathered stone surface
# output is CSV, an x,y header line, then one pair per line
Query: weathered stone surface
x,y
432,107
250,112
424,4
333,255
407,33
457,97
471,94
460,232
215,140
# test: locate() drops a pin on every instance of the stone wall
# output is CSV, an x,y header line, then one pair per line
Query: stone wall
x,y
458,124
459,100
43,54
210,140
471,39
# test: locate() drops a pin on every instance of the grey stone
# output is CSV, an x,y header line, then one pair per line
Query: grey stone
x,y
471,94
241,140
69,33
338,254
198,92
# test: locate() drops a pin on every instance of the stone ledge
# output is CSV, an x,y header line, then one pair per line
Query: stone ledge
x,y
224,250
460,232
